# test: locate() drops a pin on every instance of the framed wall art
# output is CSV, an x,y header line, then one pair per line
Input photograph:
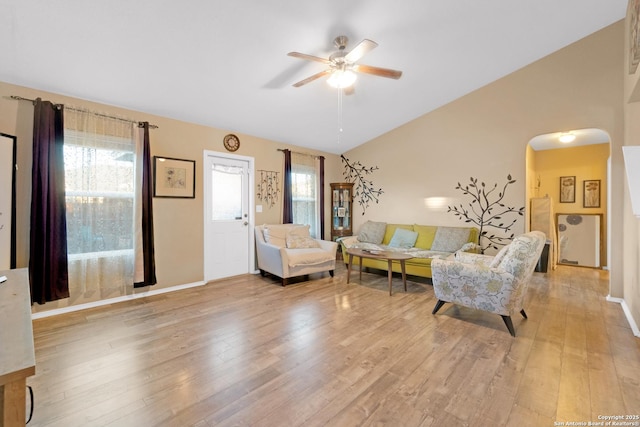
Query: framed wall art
x,y
567,189
174,177
591,194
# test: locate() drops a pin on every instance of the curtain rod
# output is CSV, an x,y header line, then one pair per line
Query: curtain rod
x,y
20,98
302,154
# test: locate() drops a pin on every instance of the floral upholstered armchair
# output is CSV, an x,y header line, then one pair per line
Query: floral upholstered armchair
x,y
494,284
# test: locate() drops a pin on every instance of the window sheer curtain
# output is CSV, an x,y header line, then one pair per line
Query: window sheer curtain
x,y
305,184
100,160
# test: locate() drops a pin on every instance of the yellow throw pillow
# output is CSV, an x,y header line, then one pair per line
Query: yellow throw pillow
x,y
426,234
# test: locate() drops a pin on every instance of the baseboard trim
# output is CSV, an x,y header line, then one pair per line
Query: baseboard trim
x,y
151,291
627,313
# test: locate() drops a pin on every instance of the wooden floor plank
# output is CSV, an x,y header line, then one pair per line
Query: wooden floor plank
x,y
246,351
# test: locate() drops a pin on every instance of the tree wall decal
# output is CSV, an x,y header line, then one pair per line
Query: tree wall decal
x,y
487,211
363,190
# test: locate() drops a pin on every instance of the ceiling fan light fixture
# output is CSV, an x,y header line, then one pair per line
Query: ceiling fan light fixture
x,y
341,79
567,137
342,66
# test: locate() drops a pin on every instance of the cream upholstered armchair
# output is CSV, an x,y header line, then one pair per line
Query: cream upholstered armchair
x,y
494,284
287,250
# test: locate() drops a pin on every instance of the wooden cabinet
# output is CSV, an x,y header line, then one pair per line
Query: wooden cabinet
x,y
341,209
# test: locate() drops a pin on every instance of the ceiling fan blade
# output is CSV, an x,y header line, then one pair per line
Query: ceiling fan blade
x,y
361,48
312,78
309,57
377,71
350,90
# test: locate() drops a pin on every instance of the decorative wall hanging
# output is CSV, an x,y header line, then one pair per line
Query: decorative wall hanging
x,y
174,177
487,210
364,191
591,194
567,189
268,187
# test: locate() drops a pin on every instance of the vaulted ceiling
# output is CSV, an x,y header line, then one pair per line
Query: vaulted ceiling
x,y
224,63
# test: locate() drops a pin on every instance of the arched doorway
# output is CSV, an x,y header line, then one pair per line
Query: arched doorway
x,y
581,163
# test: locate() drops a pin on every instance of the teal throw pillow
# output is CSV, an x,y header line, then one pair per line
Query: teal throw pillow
x,y
403,238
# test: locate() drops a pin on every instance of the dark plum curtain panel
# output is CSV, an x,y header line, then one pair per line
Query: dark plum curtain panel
x,y
287,195
148,245
321,198
48,268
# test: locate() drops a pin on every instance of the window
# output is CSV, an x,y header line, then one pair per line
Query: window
x,y
99,184
304,191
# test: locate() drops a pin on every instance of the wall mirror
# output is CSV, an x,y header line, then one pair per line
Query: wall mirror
x,y
579,239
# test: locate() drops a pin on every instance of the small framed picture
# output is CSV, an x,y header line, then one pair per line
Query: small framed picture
x,y
567,189
591,194
342,212
174,177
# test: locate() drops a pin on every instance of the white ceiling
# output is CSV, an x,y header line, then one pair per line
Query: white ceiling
x,y
224,63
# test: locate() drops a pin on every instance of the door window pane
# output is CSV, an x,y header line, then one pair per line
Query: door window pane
x,y
226,189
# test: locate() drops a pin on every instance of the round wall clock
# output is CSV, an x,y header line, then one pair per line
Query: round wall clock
x,y
231,142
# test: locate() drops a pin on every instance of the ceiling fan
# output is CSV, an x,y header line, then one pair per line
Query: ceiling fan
x,y
342,65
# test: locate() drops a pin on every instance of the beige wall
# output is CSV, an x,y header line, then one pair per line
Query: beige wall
x,y
179,244
631,250
485,133
585,163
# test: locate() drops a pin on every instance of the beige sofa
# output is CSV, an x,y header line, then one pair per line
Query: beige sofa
x,y
287,250
431,242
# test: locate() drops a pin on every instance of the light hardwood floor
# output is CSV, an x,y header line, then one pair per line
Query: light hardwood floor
x,y
246,351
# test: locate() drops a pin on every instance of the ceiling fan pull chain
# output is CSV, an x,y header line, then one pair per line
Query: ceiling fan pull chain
x,y
339,115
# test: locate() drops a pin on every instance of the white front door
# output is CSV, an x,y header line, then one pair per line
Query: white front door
x,y
228,223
